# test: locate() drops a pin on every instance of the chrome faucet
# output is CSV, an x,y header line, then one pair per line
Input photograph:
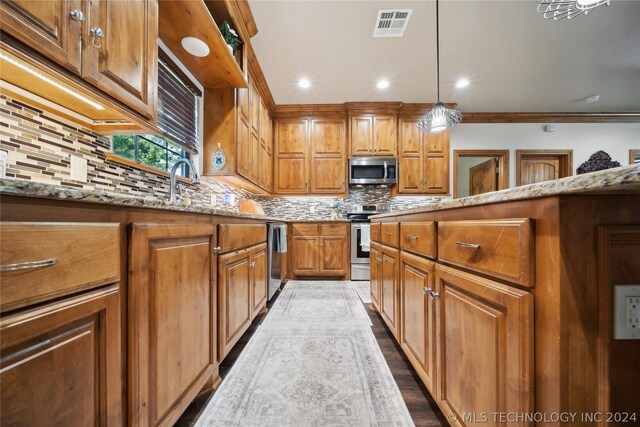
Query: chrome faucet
x,y
172,177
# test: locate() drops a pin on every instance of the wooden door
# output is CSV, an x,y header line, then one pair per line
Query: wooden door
x,y
290,176
538,166
410,141
328,138
334,256
234,295
485,348
269,179
259,280
304,256
418,319
244,148
483,178
124,63
375,279
361,136
47,27
172,319
384,136
61,362
390,291
436,163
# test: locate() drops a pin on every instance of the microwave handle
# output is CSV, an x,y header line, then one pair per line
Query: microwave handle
x,y
385,171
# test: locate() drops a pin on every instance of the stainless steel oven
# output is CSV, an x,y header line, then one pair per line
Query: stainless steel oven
x,y
373,170
359,215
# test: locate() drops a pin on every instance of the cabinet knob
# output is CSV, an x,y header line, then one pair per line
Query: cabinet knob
x,y
77,15
97,34
217,249
434,295
427,290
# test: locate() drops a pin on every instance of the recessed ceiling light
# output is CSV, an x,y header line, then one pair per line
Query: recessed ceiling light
x,y
462,83
304,83
195,47
382,84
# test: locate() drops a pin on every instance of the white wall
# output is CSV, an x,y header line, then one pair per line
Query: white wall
x,y
583,138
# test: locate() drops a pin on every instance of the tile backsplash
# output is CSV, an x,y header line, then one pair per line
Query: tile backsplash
x,y
40,146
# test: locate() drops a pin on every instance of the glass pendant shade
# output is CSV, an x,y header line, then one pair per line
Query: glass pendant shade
x,y
561,9
439,119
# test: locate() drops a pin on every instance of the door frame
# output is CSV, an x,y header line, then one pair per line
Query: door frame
x,y
503,166
566,161
632,155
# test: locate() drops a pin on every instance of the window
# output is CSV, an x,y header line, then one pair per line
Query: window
x,y
178,108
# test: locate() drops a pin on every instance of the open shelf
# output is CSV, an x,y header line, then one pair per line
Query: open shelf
x,y
191,18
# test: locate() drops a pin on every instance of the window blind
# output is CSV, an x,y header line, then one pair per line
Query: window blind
x,y
177,108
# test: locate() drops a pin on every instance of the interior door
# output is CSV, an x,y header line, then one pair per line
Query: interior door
x,y
539,170
483,178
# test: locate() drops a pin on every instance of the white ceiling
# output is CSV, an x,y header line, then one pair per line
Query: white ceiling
x,y
515,59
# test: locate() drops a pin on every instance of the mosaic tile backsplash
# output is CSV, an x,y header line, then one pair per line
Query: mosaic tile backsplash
x,y
40,146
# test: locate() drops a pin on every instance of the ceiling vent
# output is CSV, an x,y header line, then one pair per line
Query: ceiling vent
x,y
391,23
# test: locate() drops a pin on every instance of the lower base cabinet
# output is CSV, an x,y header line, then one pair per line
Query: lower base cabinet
x,y
390,290
319,250
375,275
485,350
172,319
61,362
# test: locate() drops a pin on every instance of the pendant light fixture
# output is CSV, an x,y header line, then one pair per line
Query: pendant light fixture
x,y
561,9
440,118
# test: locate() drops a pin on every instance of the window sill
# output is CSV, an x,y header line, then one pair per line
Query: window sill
x,y
114,158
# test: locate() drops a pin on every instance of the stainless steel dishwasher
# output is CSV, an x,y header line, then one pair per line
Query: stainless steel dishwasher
x,y
276,246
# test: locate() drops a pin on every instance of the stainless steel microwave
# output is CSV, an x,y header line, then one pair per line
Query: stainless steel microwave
x,y
373,170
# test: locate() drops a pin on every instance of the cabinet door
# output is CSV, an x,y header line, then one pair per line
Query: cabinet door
x,y
254,106
290,176
376,266
263,165
46,26
328,138
304,256
334,256
361,136
243,103
410,140
259,280
244,148
172,323
485,345
291,138
328,176
384,136
61,362
410,179
417,318
234,295
269,177
436,163
124,63
390,290
254,158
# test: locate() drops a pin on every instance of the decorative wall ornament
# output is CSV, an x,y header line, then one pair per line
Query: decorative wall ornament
x,y
597,162
561,9
219,159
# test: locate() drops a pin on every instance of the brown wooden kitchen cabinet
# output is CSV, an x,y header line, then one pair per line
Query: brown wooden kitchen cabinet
x,y
249,119
485,347
418,316
113,46
319,250
172,319
373,135
390,288
423,160
265,168
376,274
310,156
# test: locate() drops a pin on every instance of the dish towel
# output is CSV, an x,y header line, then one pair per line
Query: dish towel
x,y
281,238
365,237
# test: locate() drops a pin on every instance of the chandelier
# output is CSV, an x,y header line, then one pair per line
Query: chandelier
x,y
560,9
439,118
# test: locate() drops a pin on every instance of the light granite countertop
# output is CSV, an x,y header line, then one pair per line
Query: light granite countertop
x,y
20,187
622,179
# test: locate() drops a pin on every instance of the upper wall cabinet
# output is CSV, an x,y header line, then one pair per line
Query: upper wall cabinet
x,y
373,135
108,43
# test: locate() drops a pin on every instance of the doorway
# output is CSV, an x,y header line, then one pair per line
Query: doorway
x,y
479,171
534,166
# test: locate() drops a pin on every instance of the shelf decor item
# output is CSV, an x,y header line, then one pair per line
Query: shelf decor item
x,y
561,9
231,38
439,118
598,161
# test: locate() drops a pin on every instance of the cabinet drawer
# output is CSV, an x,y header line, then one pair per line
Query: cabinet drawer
x,y
419,237
375,232
305,229
389,234
502,248
237,236
70,257
333,229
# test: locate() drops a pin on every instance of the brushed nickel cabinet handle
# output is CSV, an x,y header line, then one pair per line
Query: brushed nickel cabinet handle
x,y
412,237
98,34
77,15
427,291
29,265
387,233
217,249
434,295
467,245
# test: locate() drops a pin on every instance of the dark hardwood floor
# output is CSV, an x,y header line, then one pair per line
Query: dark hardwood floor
x,y
421,405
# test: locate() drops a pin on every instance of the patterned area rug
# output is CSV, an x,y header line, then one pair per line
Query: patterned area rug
x,y
313,362
363,288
